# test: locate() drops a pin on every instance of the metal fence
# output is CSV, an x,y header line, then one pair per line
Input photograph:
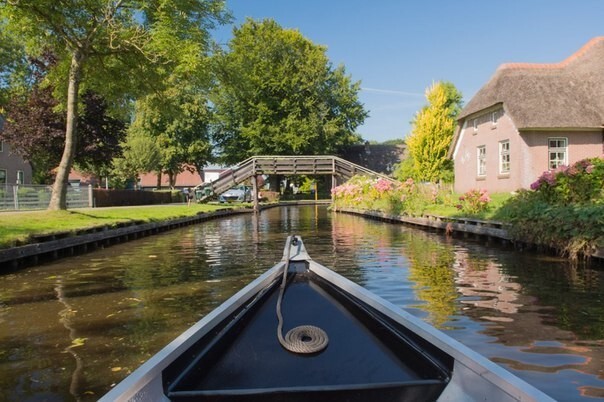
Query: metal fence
x,y
28,197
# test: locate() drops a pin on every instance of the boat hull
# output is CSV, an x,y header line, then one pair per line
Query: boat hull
x,y
367,358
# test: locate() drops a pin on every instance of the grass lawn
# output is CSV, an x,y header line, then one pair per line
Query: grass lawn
x,y
17,227
497,201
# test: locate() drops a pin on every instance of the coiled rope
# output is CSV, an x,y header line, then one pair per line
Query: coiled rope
x,y
304,339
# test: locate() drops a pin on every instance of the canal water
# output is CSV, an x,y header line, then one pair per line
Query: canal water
x,y
71,329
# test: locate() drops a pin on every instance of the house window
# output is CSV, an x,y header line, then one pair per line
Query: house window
x,y
558,152
2,176
475,124
504,156
482,160
20,177
494,117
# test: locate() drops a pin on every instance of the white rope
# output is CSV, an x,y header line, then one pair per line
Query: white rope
x,y
305,338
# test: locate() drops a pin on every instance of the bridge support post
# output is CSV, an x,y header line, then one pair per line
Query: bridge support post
x,y
334,181
255,193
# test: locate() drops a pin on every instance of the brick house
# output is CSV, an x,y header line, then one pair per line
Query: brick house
x,y
184,179
530,118
13,169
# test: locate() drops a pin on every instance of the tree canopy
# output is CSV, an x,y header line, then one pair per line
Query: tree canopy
x,y
114,47
432,132
178,121
278,93
140,154
36,131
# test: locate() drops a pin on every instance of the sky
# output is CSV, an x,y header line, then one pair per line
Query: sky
x,y
398,48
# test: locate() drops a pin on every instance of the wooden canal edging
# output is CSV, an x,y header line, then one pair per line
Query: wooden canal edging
x,y
467,227
488,229
59,245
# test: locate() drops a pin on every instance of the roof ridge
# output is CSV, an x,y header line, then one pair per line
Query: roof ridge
x,y
584,49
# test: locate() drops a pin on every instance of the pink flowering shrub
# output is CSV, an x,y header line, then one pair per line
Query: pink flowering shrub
x,y
474,201
383,185
582,182
563,210
383,195
352,193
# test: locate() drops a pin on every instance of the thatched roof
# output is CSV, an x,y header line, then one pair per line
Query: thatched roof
x,y
569,94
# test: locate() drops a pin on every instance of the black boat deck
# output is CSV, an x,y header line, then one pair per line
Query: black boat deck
x,y
367,358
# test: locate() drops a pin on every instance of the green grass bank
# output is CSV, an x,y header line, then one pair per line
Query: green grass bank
x,y
18,228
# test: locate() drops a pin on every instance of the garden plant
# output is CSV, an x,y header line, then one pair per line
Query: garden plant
x,y
563,209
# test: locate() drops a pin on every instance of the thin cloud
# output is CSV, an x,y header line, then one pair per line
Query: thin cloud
x,y
391,91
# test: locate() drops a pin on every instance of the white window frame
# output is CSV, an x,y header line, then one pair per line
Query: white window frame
x,y
475,125
504,157
494,118
3,180
20,177
481,160
556,161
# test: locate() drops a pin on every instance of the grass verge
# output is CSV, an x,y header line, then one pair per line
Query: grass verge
x,y
19,227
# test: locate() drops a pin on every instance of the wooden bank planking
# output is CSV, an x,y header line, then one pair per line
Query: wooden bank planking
x,y
52,247
489,230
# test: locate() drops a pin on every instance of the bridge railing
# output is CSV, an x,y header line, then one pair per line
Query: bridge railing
x,y
285,165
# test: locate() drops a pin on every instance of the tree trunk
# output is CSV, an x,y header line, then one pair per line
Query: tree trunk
x,y
58,200
172,179
158,180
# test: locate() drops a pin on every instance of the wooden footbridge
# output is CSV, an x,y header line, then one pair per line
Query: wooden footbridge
x,y
339,169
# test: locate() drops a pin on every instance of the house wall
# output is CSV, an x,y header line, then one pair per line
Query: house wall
x,y
184,179
13,163
581,145
529,155
488,135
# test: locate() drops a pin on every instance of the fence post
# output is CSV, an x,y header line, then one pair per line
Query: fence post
x,y
16,196
90,201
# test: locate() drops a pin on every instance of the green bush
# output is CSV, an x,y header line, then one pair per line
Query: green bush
x,y
43,196
564,209
25,191
579,183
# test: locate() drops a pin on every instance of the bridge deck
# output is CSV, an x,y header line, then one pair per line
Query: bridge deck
x,y
287,165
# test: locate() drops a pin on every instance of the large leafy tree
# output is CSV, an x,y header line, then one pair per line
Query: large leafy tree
x,y
279,94
140,154
431,135
36,131
113,46
13,63
179,121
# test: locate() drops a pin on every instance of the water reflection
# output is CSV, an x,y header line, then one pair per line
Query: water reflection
x,y
71,329
481,283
